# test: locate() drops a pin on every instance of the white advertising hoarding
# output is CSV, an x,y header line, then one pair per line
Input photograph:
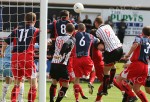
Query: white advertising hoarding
x,y
135,19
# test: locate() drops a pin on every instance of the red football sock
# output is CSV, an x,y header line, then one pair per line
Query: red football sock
x,y
117,85
99,90
81,91
76,91
92,77
142,96
127,89
32,94
14,93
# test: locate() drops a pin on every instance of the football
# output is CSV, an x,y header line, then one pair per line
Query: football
x,y
78,7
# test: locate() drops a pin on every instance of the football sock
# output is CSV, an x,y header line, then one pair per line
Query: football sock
x,y
105,82
32,94
52,92
142,96
117,85
20,95
14,93
76,91
61,93
112,75
99,90
5,89
92,77
127,89
80,90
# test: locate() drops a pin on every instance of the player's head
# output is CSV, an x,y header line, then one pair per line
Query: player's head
x,y
81,27
146,30
93,32
30,18
98,21
64,14
70,28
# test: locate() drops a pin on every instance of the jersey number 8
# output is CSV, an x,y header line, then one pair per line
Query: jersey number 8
x,y
63,29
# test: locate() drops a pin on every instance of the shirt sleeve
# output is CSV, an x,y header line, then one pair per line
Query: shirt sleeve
x,y
98,33
68,45
10,38
137,39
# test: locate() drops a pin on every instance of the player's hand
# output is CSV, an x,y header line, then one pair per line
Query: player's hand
x,y
49,41
126,57
100,47
2,55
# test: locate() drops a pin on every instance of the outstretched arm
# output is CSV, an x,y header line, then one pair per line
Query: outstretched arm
x,y
4,45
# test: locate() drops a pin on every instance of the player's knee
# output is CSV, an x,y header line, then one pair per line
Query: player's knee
x,y
118,79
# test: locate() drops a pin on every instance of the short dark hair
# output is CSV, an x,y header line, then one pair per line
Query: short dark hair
x,y
99,20
146,30
93,32
81,26
30,17
70,27
64,13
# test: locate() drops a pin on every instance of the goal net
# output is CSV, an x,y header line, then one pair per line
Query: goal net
x,y
12,13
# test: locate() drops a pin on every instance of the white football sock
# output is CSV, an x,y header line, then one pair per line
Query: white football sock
x,y
20,95
5,89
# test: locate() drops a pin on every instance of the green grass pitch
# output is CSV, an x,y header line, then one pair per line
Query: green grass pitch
x,y
114,94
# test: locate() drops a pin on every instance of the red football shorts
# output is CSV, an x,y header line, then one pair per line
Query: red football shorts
x,y
83,66
136,72
23,65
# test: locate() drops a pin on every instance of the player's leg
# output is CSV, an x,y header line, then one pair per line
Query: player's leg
x,y
18,74
7,73
20,96
126,87
8,81
15,90
62,91
55,78
33,89
139,93
99,73
76,88
64,77
91,81
107,68
52,90
99,96
112,75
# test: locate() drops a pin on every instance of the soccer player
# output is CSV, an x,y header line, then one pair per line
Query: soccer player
x,y
58,27
63,47
83,64
5,69
23,39
113,51
137,71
